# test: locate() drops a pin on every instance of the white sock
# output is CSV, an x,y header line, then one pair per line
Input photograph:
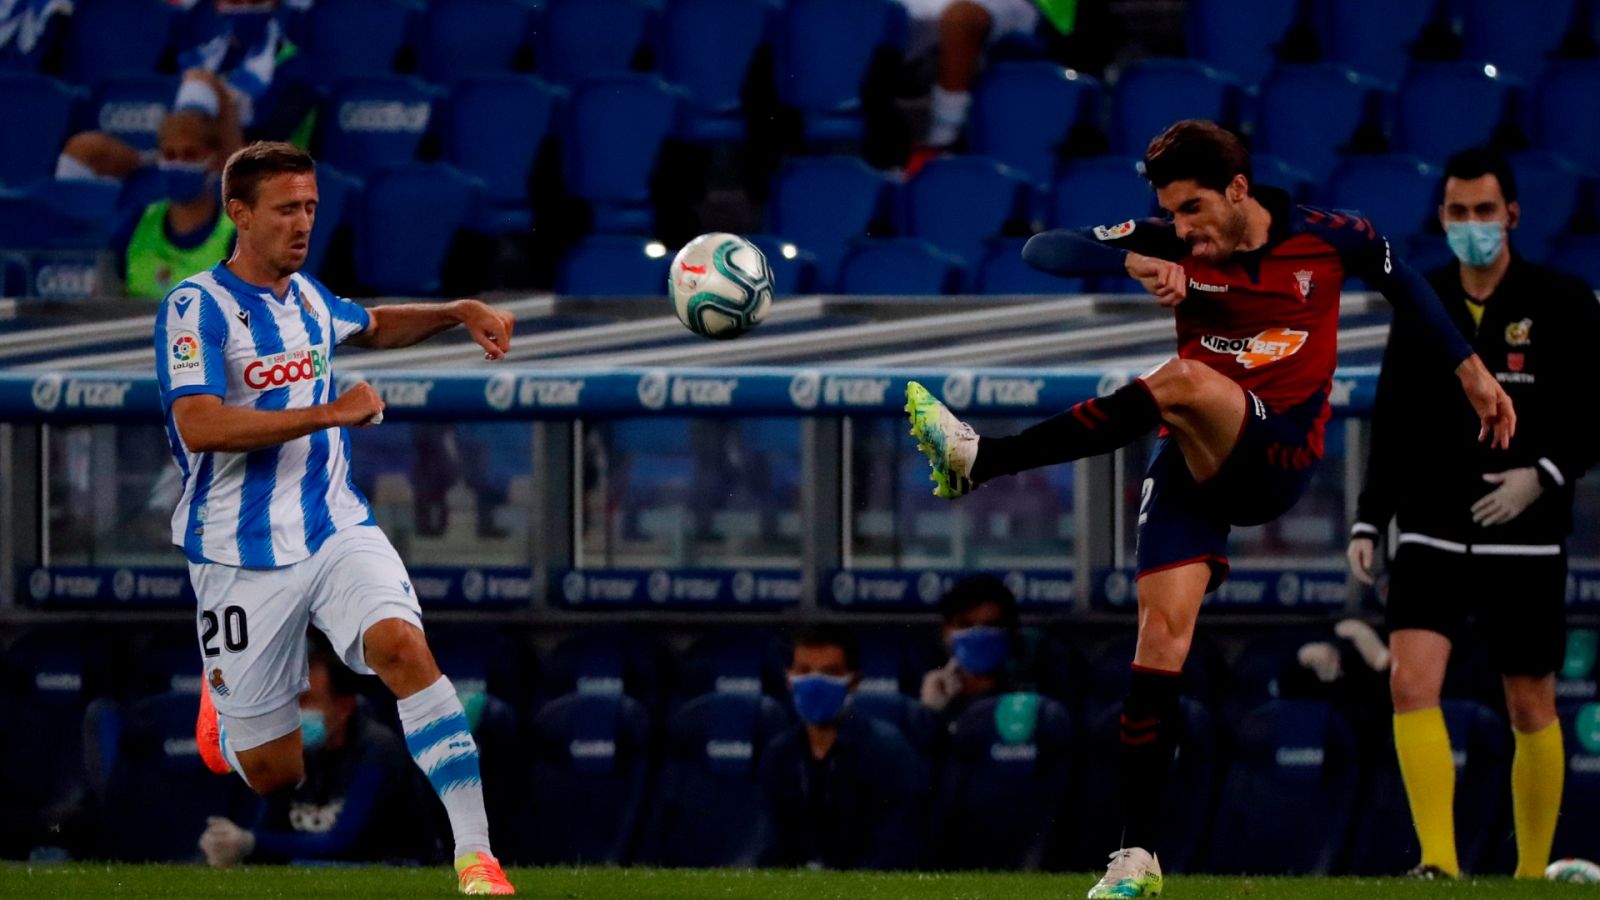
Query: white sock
x,y
949,116
441,742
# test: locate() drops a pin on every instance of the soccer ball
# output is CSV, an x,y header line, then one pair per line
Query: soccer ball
x,y
721,285
1578,870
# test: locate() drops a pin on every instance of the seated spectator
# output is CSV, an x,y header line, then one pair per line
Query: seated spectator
x,y
990,654
361,800
845,791
186,231
954,33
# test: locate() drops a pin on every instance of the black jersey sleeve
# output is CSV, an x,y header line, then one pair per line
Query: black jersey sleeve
x,y
1575,382
1376,505
1085,252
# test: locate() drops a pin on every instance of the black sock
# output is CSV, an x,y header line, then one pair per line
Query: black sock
x,y
1091,428
1150,726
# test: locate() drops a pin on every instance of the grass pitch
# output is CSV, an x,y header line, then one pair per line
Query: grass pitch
x,y
90,880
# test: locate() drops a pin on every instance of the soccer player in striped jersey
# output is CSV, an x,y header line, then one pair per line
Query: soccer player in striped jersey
x,y
276,533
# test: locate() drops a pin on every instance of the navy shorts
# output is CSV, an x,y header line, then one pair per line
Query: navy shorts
x,y
1182,521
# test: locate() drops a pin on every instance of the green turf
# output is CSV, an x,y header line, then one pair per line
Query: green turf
x,y
85,880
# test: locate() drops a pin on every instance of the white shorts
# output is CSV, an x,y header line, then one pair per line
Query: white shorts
x,y
252,625
1010,17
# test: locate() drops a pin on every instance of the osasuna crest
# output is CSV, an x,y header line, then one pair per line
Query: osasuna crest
x,y
1302,278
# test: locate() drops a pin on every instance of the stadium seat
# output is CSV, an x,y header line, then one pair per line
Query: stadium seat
x,y
713,81
1002,271
824,49
111,38
481,659
47,106
373,122
1579,255
1550,192
609,661
44,683
741,661
613,265
591,758
823,204
1567,86
708,808
58,215
1024,112
617,126
915,722
1002,795
895,657
1580,802
131,108
1517,43
1239,37
1374,37
1445,107
1294,761
493,127
908,267
581,39
794,269
407,219
1399,194
1307,113
1280,173
1386,842
355,38
957,203
337,195
1154,93
1100,191
457,38
158,794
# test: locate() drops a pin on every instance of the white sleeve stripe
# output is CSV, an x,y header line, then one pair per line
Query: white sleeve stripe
x,y
1361,528
1555,473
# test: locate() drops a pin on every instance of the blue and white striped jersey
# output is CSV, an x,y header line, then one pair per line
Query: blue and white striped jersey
x,y
216,334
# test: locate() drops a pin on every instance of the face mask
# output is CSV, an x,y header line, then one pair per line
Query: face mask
x,y
818,699
187,181
1477,244
981,649
313,729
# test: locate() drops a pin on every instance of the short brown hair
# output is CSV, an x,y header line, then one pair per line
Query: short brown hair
x,y
206,126
1196,150
255,163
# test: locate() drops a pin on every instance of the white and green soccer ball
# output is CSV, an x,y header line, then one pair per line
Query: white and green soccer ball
x,y
1578,870
721,285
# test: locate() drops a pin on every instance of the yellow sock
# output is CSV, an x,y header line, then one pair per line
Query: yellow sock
x,y
1429,771
1537,773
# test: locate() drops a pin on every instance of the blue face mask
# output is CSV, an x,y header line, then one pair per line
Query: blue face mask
x,y
1478,244
313,729
186,181
981,649
818,699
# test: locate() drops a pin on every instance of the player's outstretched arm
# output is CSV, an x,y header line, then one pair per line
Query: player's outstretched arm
x,y
405,324
208,426
1074,253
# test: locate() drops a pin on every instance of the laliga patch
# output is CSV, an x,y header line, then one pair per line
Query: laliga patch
x,y
183,353
1520,334
1115,232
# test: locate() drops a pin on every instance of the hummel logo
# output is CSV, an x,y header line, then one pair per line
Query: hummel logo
x,y
244,317
183,306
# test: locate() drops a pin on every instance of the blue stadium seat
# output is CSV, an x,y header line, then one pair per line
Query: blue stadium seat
x,y
915,722
895,657
110,38
1294,760
1280,173
456,38
1578,255
158,794
1445,107
1567,86
355,38
1374,37
713,81
373,122
337,195
1386,842
1306,113
45,688
957,203
1399,194
1516,42
1100,191
132,107
58,215
581,39
493,127
1580,801
1023,112
613,265
591,759
47,106
399,249
1240,37
708,808
1154,93
617,126
744,662
794,268
609,661
823,204
1003,795
899,267
1550,192
823,50
481,659
1002,271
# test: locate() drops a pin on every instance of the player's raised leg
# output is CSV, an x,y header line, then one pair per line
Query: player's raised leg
x,y
1416,677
